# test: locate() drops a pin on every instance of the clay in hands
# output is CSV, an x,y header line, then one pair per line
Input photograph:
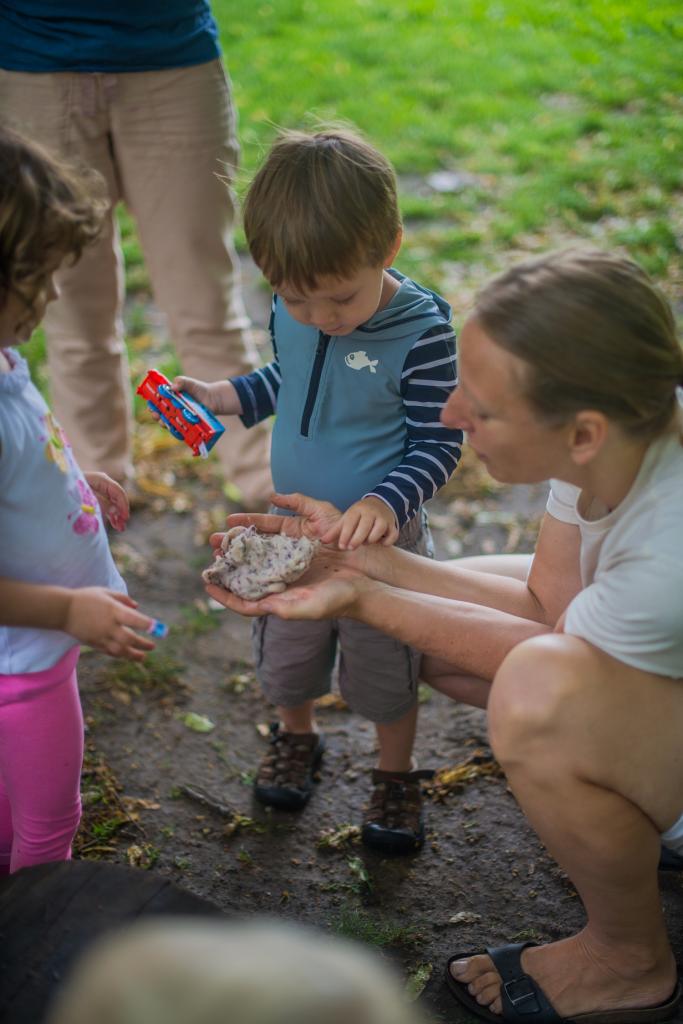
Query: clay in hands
x,y
253,564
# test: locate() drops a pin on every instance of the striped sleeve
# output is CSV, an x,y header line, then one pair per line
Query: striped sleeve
x,y
258,390
432,451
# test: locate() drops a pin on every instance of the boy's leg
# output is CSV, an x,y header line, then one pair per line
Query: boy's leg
x,y
86,355
175,134
293,662
395,741
378,678
41,744
592,751
299,719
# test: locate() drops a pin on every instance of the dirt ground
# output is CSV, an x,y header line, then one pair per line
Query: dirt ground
x,y
482,876
176,801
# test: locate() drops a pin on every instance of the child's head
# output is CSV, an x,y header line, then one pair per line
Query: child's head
x,y
168,971
47,215
321,210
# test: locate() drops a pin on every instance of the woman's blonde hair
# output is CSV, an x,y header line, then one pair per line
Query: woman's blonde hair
x,y
594,332
48,213
322,204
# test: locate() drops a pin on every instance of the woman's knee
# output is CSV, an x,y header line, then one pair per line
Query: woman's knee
x,y
533,692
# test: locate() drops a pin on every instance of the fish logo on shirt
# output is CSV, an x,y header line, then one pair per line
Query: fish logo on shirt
x,y
359,360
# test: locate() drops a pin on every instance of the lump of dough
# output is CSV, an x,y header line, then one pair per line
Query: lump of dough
x,y
253,564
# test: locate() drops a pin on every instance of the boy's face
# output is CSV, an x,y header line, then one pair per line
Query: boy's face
x,y
337,305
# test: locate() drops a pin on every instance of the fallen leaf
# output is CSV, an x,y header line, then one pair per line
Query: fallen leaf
x,y
198,723
334,838
333,701
417,980
464,917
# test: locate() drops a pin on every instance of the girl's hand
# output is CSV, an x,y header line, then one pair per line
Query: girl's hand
x,y
219,397
111,497
369,520
107,620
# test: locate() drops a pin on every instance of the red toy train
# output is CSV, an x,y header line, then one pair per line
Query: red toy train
x,y
185,417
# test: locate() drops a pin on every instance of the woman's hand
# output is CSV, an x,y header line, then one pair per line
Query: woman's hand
x,y
312,518
327,590
111,497
107,620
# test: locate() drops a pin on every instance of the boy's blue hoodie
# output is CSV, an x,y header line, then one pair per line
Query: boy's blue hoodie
x,y
359,414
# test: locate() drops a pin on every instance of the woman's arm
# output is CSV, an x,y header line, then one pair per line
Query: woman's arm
x,y
552,582
468,619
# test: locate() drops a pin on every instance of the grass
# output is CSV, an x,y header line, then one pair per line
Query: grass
x,y
562,121
359,924
564,114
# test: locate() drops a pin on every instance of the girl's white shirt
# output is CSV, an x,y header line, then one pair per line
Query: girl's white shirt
x,y
51,527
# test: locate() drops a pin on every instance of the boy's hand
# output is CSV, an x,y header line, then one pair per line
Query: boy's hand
x,y
368,521
219,396
107,620
111,497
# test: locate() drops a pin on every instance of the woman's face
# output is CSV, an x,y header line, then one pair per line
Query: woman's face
x,y
502,428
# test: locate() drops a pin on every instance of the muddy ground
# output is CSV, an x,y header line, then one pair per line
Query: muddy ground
x,y
178,802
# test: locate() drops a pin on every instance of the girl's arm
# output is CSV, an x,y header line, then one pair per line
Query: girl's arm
x,y
95,616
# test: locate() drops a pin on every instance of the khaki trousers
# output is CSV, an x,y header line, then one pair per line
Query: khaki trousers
x,y
162,140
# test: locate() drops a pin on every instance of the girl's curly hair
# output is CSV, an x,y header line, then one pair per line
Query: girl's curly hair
x,y
48,213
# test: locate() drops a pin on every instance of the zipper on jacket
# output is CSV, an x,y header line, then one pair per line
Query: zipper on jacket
x,y
318,363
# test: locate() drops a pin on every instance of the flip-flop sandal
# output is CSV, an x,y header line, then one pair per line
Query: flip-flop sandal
x,y
524,1000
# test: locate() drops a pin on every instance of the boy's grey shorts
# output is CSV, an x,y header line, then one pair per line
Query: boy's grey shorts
x,y
378,676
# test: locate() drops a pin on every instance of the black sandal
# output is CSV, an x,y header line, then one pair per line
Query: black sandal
x,y
524,1000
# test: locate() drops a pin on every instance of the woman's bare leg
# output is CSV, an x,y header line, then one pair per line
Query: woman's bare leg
x,y
591,748
444,677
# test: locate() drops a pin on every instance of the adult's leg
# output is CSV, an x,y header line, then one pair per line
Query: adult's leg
x,y
443,676
175,139
41,753
591,748
86,355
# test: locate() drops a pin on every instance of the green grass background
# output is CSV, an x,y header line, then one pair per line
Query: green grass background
x,y
566,114
563,119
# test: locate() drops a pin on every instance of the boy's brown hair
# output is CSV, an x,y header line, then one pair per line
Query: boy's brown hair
x,y
322,204
48,212
594,332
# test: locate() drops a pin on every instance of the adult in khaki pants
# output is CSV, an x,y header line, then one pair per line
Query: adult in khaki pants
x,y
138,93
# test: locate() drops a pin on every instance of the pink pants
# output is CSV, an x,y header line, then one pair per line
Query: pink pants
x,y
41,753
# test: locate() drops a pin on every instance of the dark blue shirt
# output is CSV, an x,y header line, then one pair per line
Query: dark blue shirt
x,y
106,35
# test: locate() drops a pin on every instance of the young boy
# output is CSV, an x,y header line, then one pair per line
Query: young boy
x,y
364,362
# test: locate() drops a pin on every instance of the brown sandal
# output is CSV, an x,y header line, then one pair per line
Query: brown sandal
x,y
393,821
287,772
